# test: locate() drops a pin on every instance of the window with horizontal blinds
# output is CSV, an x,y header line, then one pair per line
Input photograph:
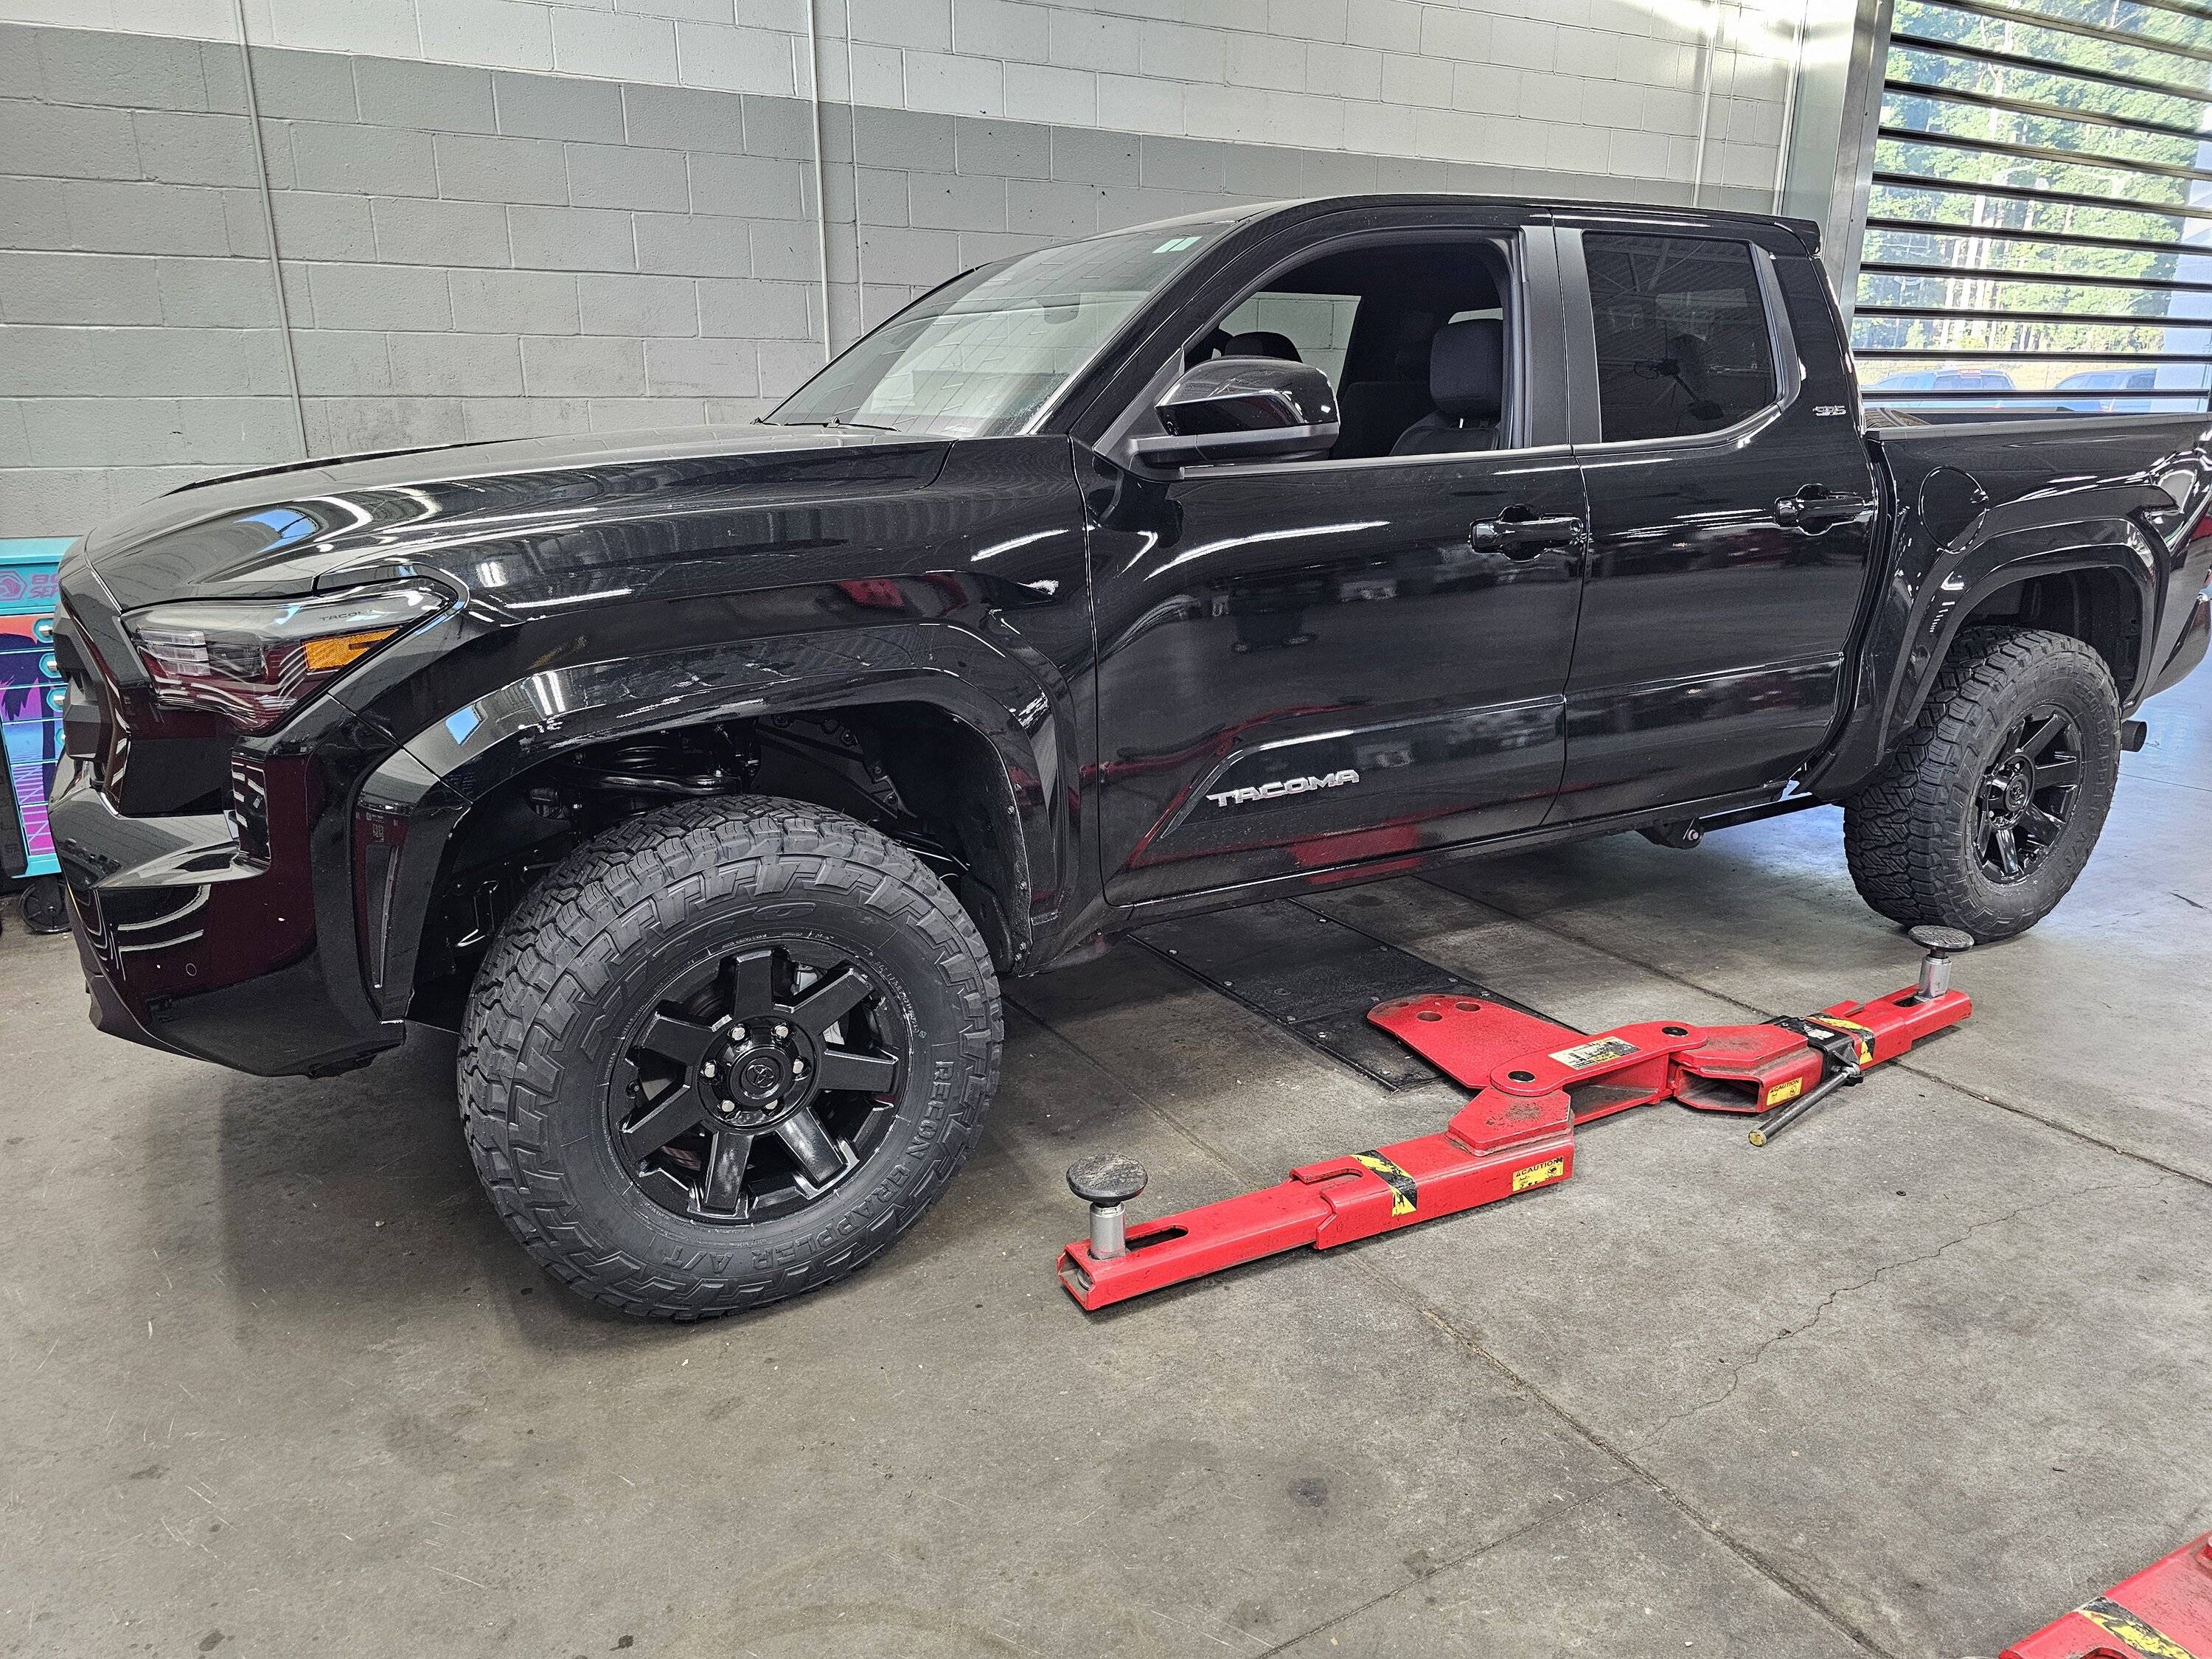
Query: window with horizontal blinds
x,y
2039,230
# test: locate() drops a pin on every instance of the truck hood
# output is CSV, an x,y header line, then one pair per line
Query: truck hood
x,y
531,513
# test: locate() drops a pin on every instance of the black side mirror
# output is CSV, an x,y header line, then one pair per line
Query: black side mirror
x,y
1235,409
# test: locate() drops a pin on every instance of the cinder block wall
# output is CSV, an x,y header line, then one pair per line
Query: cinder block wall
x,y
505,217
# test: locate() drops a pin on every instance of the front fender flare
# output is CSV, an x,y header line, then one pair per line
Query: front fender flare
x,y
407,808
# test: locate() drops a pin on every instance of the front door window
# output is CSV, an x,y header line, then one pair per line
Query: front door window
x,y
1315,327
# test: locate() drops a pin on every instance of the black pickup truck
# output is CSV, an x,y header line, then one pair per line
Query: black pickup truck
x,y
708,783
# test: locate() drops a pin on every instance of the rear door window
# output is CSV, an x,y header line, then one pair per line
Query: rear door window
x,y
1683,345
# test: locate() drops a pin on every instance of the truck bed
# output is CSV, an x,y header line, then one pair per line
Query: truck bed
x,y
2044,480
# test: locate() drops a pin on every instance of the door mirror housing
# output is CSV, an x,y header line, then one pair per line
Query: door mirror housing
x,y
1235,408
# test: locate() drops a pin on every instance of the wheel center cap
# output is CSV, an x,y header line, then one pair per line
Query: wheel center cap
x,y
758,1074
2016,793
761,1076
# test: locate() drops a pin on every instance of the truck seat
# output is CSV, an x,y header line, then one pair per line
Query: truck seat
x,y
1467,383
1376,414
1261,343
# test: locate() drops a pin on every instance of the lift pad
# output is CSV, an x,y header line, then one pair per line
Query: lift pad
x,y
1535,1082
2164,1611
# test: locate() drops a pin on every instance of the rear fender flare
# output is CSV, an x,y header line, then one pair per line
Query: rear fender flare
x,y
408,806
2119,545
1917,621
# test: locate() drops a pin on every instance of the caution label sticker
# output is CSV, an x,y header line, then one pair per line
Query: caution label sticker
x,y
2137,1632
1537,1174
1782,1092
1584,1055
1405,1191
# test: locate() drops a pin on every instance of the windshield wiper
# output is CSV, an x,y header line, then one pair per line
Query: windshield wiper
x,y
847,426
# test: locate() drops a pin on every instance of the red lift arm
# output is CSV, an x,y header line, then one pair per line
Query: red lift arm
x,y
2164,1611
1534,1083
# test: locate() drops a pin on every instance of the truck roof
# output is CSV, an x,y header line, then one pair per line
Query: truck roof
x,y
1806,232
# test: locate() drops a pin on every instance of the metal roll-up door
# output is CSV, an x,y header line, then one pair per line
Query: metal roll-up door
x,y
2039,229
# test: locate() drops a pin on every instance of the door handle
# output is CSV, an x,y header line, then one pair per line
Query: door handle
x,y
1518,534
1813,506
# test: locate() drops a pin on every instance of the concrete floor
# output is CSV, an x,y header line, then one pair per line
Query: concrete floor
x,y
1908,1383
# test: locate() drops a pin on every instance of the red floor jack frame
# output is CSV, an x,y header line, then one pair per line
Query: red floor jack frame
x,y
1535,1083
2164,1611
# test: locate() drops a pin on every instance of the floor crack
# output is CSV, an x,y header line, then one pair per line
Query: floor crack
x,y
1737,1372
1550,1517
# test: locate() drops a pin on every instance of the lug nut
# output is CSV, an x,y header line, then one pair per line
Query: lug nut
x,y
781,1032
707,1068
799,1069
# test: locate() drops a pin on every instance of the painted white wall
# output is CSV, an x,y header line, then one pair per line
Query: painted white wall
x,y
1604,87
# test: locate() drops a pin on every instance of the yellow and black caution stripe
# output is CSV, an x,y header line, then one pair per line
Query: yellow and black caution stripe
x,y
1861,1039
1405,1191
2137,1632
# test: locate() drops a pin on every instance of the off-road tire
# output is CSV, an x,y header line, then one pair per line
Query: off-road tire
x,y
575,963
1908,835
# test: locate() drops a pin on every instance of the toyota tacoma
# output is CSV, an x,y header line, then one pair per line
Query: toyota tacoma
x,y
709,783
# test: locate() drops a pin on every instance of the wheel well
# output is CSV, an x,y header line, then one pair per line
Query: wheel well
x,y
921,776
2098,607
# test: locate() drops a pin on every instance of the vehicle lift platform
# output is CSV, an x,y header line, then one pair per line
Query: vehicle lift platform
x,y
1535,1082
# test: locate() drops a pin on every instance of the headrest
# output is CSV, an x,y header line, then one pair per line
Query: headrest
x,y
1261,343
1467,369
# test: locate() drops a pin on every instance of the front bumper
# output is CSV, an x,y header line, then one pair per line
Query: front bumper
x,y
189,946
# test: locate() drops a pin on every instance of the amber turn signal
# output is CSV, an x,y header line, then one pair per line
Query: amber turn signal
x,y
344,650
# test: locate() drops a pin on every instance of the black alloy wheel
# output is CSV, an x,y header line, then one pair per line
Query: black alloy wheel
x,y
2025,794
757,1082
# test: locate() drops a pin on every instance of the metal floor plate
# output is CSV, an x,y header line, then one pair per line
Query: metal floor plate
x,y
1314,976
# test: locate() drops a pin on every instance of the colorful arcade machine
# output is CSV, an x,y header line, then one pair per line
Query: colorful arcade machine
x,y
31,696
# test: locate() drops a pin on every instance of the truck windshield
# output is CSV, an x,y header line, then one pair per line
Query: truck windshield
x,y
981,356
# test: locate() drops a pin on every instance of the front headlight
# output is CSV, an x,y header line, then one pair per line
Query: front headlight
x,y
254,661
